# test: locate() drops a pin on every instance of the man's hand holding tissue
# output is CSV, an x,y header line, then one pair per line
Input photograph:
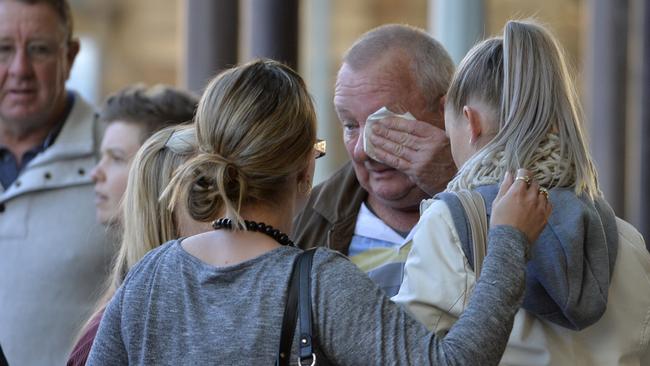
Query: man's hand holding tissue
x,y
416,148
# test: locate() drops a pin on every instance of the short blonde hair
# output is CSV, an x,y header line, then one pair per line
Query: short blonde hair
x,y
256,126
524,77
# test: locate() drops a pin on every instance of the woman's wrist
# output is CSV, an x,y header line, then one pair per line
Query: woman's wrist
x,y
511,239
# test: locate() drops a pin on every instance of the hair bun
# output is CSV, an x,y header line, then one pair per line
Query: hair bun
x,y
256,128
218,181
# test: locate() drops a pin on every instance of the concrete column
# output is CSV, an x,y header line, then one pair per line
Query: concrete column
x,y
457,24
272,30
210,39
318,67
605,94
644,222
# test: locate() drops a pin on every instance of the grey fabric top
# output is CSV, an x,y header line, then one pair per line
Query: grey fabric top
x,y
174,309
572,261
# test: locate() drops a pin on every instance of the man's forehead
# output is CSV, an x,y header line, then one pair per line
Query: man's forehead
x,y
364,93
38,20
386,75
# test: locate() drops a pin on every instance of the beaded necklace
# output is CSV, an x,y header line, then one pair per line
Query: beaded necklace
x,y
277,235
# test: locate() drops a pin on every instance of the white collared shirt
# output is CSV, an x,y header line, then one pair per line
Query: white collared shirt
x,y
379,250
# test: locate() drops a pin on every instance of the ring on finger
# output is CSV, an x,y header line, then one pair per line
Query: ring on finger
x,y
544,191
525,178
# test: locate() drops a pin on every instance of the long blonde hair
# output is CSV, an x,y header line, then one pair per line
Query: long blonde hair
x,y
147,220
524,77
256,127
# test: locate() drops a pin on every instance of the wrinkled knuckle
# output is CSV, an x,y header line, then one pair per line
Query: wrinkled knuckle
x,y
399,150
395,161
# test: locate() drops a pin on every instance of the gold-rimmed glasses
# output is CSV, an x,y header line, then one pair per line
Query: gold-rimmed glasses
x,y
320,148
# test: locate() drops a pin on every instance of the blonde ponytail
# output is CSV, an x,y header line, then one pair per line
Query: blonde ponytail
x,y
523,76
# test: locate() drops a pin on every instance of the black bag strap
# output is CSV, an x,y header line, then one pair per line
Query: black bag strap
x,y
306,343
289,317
298,304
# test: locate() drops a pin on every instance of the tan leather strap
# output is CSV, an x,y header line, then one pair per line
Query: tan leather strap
x,y
474,206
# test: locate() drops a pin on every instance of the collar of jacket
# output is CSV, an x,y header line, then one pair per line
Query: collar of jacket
x,y
338,200
68,161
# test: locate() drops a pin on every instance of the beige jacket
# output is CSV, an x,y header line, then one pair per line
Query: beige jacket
x,y
54,257
439,282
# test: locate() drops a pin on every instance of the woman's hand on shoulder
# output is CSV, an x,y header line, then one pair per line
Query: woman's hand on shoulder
x,y
522,204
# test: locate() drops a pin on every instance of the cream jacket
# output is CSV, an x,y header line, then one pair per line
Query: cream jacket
x,y
439,281
54,257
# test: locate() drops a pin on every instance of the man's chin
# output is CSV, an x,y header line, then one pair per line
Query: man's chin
x,y
22,123
399,199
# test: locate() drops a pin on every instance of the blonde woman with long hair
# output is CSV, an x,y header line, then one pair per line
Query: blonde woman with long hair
x,y
147,220
218,298
511,104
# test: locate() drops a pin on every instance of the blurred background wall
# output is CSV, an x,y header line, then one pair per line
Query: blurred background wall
x,y
185,42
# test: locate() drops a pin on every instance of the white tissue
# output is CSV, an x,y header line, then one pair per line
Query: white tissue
x,y
370,121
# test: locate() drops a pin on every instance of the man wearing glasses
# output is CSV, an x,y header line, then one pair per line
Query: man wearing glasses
x,y
53,255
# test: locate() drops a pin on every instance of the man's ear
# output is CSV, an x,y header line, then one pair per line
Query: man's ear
x,y
72,52
440,113
474,124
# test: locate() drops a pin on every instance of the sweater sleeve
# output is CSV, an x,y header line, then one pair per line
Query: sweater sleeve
x,y
357,324
108,347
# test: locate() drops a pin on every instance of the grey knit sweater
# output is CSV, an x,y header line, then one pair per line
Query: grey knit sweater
x,y
174,309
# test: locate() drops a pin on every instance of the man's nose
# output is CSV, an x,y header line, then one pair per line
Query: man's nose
x,y
21,64
359,153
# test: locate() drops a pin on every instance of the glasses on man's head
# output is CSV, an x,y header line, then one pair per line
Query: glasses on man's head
x,y
37,51
320,148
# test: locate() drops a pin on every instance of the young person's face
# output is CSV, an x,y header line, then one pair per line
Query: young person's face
x,y
121,142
